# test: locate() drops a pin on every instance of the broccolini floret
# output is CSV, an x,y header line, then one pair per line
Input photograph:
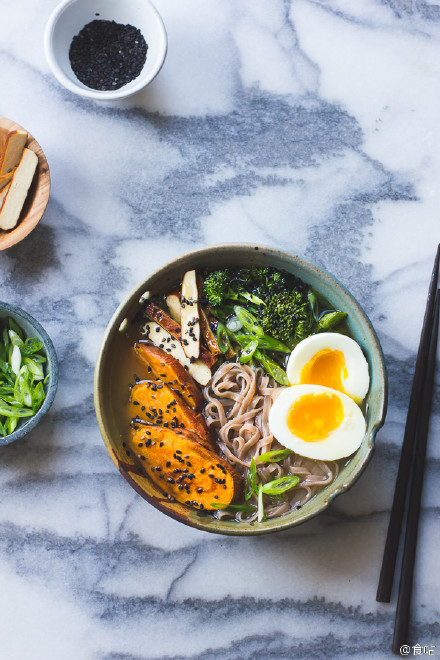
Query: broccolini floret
x,y
278,299
216,287
286,315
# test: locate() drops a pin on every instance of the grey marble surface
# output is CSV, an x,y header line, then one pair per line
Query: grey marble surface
x,y
307,125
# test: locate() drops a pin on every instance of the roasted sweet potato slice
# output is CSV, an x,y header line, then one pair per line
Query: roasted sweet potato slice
x,y
182,467
165,367
156,403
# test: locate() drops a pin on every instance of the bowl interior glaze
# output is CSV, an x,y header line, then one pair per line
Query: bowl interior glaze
x,y
111,390
32,328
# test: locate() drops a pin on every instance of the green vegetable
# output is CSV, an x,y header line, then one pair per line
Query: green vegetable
x,y
287,315
330,320
260,515
272,368
234,324
222,337
279,300
21,377
251,481
271,344
274,456
279,486
313,302
248,351
248,321
217,289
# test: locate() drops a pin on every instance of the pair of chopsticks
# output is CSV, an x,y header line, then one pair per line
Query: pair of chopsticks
x,y
411,469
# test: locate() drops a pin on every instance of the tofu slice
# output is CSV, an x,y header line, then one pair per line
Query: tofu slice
x,y
167,342
12,144
190,316
173,303
18,190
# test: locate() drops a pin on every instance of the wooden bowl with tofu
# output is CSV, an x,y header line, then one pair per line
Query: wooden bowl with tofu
x,y
24,183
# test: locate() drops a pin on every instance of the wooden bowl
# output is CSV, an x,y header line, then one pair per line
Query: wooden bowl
x,y
37,197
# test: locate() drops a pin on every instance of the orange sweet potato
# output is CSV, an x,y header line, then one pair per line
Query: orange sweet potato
x,y
182,467
155,403
165,367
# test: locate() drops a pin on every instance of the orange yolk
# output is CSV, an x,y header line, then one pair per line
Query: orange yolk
x,y
312,417
326,368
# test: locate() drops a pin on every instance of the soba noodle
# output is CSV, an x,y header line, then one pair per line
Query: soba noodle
x,y
238,401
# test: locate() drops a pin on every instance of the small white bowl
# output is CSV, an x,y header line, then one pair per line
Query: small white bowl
x,y
68,19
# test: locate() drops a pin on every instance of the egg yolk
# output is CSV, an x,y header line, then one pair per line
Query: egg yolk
x,y
312,417
326,368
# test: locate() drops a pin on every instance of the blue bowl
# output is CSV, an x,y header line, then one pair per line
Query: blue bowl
x,y
32,328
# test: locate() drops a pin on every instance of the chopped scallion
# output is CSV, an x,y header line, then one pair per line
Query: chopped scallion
x,y
274,456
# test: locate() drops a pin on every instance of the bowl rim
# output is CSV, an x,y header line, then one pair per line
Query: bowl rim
x,y
99,95
122,312
53,379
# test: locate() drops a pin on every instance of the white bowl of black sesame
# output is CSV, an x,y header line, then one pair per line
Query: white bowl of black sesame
x,y
105,49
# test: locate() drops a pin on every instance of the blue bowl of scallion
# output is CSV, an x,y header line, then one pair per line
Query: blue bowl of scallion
x,y
28,373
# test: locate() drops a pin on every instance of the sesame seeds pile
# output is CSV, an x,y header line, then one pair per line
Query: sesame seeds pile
x,y
106,55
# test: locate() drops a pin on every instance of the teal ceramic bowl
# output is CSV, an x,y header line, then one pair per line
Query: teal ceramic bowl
x,y
32,328
112,375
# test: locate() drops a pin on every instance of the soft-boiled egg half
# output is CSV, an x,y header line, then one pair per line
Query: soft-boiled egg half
x,y
332,360
317,422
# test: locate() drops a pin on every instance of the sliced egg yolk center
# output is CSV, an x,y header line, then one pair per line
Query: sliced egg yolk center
x,y
327,367
312,417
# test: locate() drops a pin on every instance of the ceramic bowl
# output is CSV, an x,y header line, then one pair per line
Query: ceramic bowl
x,y
113,373
37,197
32,328
68,19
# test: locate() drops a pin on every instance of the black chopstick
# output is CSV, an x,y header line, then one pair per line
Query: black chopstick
x,y
401,625
394,527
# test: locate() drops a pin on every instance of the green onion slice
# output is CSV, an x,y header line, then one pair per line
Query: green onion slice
x,y
234,324
16,328
248,351
272,368
313,302
330,319
249,321
272,344
280,486
251,480
260,515
274,456
222,337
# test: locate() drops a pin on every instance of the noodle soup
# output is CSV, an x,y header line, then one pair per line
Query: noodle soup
x,y
211,359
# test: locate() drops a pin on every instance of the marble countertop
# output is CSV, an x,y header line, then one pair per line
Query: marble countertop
x,y
308,125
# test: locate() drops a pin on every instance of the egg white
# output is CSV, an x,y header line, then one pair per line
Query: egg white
x,y
339,443
357,380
